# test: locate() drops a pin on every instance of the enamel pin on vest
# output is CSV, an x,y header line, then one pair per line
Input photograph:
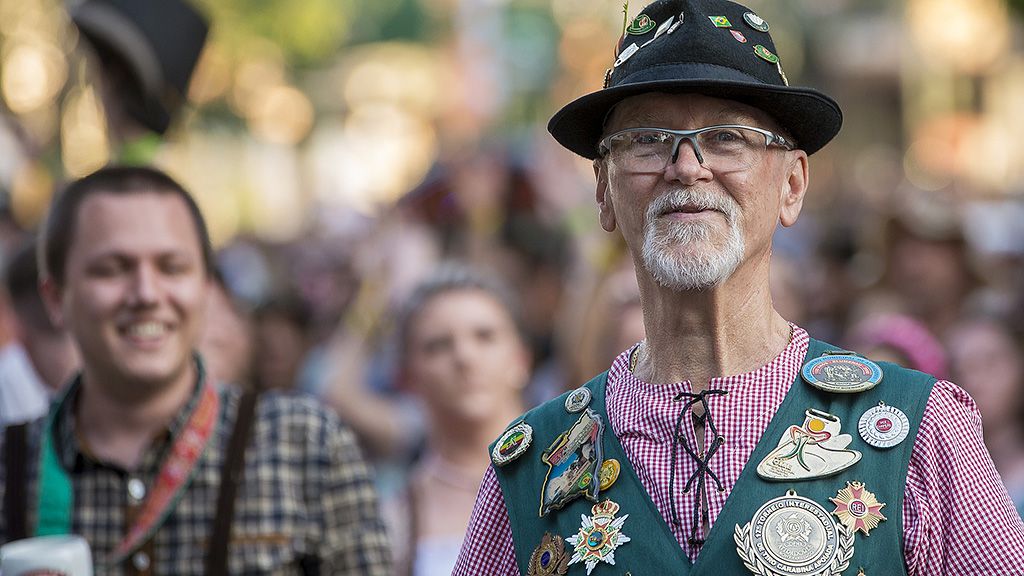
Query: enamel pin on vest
x,y
857,508
512,444
599,536
884,426
577,400
549,558
813,450
574,462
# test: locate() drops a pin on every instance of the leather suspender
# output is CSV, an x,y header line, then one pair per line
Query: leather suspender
x,y
230,478
15,497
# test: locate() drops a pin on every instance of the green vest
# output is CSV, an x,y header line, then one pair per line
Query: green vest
x,y
652,548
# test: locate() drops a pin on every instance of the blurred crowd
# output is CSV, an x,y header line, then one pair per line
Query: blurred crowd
x,y
428,360
328,315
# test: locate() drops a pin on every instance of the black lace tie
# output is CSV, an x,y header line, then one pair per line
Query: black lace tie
x,y
702,463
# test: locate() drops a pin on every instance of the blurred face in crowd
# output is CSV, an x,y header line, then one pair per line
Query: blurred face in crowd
x,y
465,358
134,291
694,226
225,342
987,362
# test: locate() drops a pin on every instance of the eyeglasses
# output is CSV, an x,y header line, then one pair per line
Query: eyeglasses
x,y
725,148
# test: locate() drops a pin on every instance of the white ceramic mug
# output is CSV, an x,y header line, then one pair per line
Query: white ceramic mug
x,y
65,555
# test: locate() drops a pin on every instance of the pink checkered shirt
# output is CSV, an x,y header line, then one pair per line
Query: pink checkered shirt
x,y
957,516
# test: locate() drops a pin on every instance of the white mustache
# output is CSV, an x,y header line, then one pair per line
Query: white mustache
x,y
701,199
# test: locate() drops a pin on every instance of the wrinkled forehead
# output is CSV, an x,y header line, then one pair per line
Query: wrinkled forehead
x,y
683,112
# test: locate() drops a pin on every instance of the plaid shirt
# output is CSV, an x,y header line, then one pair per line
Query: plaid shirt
x,y
305,494
957,516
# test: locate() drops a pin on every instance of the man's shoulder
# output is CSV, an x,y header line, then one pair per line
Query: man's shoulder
x,y
890,370
286,415
554,412
278,404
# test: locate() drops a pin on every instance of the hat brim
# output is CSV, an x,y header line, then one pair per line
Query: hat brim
x,y
811,118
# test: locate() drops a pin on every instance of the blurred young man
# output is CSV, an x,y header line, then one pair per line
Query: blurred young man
x,y
141,455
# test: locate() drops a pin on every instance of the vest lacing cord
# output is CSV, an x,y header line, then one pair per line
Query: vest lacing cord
x,y
702,463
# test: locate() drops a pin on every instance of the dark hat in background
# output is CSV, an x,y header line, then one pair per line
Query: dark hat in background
x,y
157,41
711,47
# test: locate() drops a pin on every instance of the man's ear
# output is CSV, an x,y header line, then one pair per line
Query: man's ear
x,y
603,196
51,296
794,188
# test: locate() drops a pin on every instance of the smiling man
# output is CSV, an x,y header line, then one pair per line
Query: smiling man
x,y
728,441
162,470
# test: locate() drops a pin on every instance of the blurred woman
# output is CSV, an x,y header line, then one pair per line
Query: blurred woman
x,y
988,362
464,356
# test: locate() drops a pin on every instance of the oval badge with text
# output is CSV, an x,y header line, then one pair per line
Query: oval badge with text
x,y
844,373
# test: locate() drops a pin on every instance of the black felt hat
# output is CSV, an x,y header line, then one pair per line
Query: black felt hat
x,y
710,47
157,41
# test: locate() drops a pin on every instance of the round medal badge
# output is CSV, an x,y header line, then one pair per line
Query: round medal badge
x,y
884,426
609,473
578,399
795,536
512,444
844,373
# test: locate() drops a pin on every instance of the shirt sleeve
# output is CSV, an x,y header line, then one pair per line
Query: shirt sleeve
x,y
354,541
957,515
488,547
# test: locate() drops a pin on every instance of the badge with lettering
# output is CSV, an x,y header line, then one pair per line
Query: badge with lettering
x,y
813,450
599,536
765,54
720,21
512,444
574,461
640,25
609,473
884,426
755,22
857,508
577,400
549,557
841,372
794,536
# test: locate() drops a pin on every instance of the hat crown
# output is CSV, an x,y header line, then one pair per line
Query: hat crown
x,y
695,40
712,47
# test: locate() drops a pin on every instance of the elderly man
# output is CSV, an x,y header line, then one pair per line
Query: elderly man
x,y
159,468
728,441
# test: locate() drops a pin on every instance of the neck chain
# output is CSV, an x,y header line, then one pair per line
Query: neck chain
x,y
450,474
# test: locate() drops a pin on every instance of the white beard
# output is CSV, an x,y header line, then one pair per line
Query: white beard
x,y
666,253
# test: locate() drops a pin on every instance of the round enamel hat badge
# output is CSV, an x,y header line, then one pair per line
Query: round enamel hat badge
x,y
884,426
845,373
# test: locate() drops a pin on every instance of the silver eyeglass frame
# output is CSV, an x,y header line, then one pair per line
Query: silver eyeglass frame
x,y
678,136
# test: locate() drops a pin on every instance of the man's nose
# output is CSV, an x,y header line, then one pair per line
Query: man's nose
x,y
687,164
145,285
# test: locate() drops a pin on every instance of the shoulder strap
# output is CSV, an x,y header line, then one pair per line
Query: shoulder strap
x,y
15,498
231,476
